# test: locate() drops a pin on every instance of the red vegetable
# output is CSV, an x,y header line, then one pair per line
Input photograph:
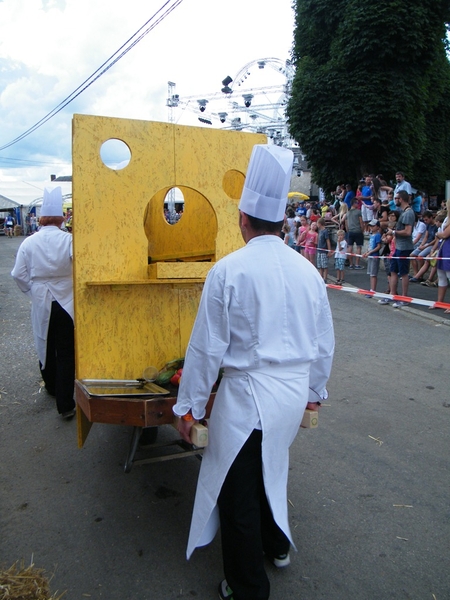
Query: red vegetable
x,y
175,379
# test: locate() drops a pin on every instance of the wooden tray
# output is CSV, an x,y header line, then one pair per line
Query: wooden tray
x,y
122,387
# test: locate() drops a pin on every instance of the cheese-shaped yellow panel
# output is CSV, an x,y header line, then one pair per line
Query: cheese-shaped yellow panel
x,y
137,278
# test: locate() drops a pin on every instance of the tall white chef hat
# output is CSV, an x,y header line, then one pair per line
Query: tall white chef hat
x,y
52,205
267,183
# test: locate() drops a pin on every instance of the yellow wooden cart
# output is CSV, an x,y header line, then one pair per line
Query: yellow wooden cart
x,y
138,279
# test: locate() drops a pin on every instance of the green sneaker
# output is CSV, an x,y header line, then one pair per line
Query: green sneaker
x,y
225,592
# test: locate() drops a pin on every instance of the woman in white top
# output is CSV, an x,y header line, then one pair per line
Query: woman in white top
x,y
339,219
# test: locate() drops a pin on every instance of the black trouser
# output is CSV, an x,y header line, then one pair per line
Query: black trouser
x,y
248,529
59,372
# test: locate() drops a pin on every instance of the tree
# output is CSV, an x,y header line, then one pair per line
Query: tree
x,y
372,89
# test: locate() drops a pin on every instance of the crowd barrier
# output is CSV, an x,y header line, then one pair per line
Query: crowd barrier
x,y
394,297
429,257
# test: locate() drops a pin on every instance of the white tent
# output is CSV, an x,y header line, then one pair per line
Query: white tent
x,y
67,200
13,208
8,205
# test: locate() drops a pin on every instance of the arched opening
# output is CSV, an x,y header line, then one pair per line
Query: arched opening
x,y
193,238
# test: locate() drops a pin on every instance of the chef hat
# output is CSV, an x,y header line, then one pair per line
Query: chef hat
x,y
267,183
52,203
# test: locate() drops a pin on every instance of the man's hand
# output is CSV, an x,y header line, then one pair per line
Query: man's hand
x,y
184,427
313,406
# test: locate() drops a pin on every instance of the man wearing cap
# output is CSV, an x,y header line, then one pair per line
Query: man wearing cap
x,y
264,318
43,271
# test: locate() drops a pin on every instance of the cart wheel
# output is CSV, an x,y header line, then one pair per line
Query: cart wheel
x,y
133,448
148,436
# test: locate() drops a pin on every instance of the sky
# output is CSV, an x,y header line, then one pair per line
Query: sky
x,y
48,48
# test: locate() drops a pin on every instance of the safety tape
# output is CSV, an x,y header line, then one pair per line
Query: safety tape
x,y
394,297
321,250
400,257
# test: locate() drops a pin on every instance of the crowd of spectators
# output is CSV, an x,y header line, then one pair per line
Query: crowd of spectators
x,y
405,230
306,229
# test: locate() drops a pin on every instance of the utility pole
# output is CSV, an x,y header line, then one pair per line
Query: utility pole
x,y
172,101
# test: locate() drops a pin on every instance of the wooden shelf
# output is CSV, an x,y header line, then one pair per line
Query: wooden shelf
x,y
143,282
165,272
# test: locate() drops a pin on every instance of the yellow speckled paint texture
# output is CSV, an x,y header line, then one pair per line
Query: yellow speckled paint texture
x,y
129,314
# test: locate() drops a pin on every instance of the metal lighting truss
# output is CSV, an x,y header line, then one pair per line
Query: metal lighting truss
x,y
259,109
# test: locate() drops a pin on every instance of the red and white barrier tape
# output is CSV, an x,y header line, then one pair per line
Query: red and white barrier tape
x,y
399,257
331,254
393,297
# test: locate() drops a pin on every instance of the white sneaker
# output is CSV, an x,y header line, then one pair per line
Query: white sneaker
x,y
281,561
69,414
384,301
399,304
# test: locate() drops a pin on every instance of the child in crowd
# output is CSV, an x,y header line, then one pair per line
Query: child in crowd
x,y
311,242
323,249
288,235
389,246
373,254
302,230
340,255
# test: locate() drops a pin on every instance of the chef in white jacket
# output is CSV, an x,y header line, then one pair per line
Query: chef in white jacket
x,y
43,271
264,317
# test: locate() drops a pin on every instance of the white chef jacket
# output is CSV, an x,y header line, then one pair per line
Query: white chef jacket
x,y
264,317
43,271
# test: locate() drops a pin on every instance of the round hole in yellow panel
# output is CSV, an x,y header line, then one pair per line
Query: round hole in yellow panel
x,y
233,183
115,154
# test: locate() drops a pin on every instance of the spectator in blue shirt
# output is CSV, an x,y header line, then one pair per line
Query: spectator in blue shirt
x,y
301,210
367,204
350,194
416,204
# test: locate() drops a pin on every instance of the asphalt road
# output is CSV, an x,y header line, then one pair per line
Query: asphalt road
x,y
368,489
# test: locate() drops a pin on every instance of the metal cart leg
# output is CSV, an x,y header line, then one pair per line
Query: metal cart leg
x,y
148,436
133,447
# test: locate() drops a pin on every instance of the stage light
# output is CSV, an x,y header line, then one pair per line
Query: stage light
x,y
247,99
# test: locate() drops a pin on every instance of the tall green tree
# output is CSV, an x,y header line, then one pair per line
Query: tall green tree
x,y
372,89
